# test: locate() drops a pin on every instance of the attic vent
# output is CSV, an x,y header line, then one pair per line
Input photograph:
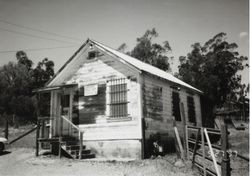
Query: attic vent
x,y
92,54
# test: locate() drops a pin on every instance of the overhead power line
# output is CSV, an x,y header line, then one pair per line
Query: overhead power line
x,y
36,36
37,49
39,30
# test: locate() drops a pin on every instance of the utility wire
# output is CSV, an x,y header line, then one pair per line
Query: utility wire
x,y
38,30
36,36
37,49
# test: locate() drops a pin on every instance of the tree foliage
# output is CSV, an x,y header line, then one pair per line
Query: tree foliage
x,y
17,80
149,52
43,72
23,59
213,68
15,87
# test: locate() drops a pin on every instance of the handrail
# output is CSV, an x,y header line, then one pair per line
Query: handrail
x,y
80,135
64,118
23,135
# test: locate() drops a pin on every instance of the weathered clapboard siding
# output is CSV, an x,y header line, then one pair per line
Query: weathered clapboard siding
x,y
147,91
160,120
99,71
162,123
197,103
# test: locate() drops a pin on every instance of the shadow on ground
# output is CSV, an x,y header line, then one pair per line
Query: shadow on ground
x,y
5,153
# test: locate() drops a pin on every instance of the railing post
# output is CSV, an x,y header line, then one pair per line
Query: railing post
x,y
80,151
60,147
225,164
61,123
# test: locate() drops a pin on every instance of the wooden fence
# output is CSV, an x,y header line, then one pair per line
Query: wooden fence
x,y
208,149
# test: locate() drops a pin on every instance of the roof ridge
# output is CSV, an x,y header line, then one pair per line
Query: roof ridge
x,y
145,66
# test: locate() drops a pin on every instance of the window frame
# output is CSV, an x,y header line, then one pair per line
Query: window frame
x,y
177,118
191,119
125,101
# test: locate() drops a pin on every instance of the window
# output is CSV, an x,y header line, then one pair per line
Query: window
x,y
91,54
191,109
118,98
176,106
65,101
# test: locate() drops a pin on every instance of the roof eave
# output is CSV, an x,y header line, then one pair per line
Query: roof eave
x,y
68,61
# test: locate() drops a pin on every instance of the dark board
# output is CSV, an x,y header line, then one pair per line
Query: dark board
x,y
153,104
176,106
75,111
191,109
92,106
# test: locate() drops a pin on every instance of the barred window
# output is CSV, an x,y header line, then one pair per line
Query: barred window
x,y
191,109
118,98
176,106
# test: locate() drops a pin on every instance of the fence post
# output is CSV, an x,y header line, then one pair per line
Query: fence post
x,y
203,151
225,164
38,123
37,137
183,119
195,146
6,130
212,153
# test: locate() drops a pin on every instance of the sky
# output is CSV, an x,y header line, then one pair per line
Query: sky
x,y
56,28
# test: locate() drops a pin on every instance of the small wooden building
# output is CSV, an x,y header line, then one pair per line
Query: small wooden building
x,y
116,103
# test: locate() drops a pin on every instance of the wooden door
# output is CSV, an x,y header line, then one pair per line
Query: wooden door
x,y
66,112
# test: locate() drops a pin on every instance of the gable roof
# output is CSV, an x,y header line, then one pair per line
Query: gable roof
x,y
146,67
130,60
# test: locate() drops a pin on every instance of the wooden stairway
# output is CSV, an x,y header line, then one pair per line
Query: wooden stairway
x,y
71,147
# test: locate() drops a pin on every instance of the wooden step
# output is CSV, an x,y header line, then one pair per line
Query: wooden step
x,y
74,152
86,156
69,143
48,139
74,147
69,138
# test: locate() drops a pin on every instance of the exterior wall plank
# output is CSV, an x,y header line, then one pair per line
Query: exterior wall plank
x,y
164,124
99,71
149,98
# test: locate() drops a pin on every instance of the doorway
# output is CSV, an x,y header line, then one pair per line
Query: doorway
x,y
65,112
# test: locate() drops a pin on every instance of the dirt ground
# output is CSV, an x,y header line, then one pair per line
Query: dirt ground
x,y
239,141
22,162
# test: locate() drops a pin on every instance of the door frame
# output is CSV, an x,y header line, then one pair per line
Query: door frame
x,y
58,109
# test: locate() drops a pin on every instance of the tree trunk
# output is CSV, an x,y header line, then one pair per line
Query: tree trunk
x,y
15,121
6,130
